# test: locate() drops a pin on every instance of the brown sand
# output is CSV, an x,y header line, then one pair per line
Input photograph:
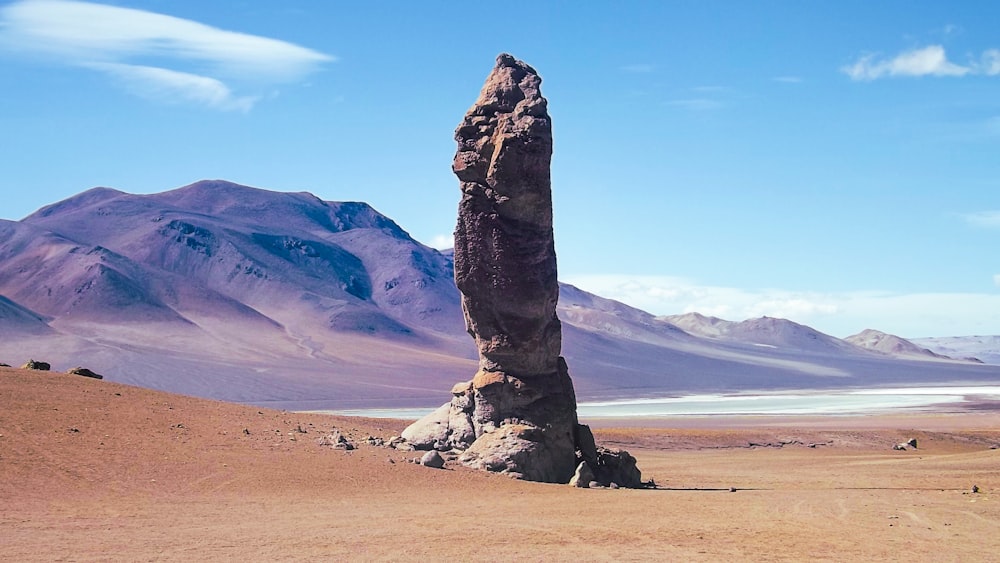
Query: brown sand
x,y
92,470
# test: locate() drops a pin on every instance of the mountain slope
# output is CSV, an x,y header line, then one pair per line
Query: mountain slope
x,y
242,294
763,331
983,348
891,345
15,319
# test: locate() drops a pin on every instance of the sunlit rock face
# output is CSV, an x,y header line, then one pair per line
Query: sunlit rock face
x,y
505,260
518,413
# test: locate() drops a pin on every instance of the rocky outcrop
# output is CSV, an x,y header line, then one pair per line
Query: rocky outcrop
x,y
336,440
518,413
432,459
36,365
84,372
582,477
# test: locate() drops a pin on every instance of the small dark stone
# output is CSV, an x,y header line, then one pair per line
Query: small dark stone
x,y
40,366
84,372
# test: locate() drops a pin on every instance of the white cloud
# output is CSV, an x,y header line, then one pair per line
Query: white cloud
x,y
171,86
788,79
663,295
838,314
986,219
927,61
991,62
442,242
123,41
996,279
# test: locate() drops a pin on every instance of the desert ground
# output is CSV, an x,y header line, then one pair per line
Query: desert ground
x,y
92,470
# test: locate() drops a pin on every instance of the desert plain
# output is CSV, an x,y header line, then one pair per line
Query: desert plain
x,y
98,471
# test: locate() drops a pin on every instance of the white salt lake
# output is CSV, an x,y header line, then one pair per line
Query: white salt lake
x,y
826,402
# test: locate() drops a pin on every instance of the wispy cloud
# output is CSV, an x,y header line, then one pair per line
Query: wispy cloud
x,y
839,314
985,219
788,79
699,104
171,86
991,62
638,68
151,52
996,279
927,61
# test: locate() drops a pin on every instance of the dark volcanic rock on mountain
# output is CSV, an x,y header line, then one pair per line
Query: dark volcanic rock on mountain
x,y
518,414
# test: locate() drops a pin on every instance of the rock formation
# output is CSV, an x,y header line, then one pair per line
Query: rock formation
x,y
84,372
518,414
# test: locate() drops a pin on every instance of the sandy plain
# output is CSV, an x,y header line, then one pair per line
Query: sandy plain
x,y
96,471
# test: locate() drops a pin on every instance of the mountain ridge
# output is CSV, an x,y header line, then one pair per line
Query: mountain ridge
x,y
226,291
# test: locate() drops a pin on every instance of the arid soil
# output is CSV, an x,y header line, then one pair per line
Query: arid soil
x,y
92,470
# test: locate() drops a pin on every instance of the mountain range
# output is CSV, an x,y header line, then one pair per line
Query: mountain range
x,y
282,299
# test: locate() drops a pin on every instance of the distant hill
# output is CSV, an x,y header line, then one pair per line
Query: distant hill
x,y
763,331
242,294
892,345
983,348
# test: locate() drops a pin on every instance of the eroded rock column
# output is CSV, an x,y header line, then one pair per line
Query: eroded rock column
x,y
518,414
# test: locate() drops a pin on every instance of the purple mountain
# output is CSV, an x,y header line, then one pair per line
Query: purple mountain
x,y
242,294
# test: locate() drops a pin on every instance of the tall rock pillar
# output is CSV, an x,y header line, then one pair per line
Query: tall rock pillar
x,y
518,414
505,259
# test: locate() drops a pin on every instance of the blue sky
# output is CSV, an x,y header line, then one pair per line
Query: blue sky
x,y
832,163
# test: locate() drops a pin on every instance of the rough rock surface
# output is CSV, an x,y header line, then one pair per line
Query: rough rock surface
x,y
505,260
432,459
518,413
336,440
582,477
84,372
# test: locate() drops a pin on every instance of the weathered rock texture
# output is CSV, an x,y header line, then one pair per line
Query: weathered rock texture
x,y
505,260
84,372
518,414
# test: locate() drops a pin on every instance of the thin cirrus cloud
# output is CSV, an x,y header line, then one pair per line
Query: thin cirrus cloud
x,y
171,86
926,61
984,219
153,55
